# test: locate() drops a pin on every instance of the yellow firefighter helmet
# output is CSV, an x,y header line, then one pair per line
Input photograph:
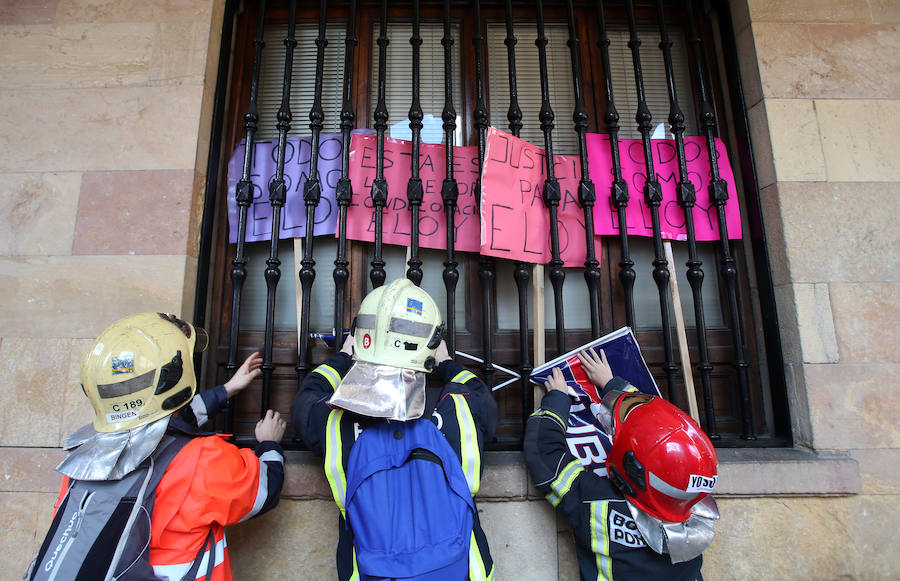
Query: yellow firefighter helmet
x,y
141,369
400,325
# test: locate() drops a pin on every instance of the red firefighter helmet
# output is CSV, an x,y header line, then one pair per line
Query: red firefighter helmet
x,y
660,458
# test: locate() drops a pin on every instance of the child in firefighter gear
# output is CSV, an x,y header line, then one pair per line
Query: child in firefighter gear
x,y
375,387
652,517
139,377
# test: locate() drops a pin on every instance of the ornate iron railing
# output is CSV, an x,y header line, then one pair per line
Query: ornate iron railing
x,y
599,97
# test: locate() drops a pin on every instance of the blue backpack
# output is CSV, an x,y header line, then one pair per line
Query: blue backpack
x,y
408,504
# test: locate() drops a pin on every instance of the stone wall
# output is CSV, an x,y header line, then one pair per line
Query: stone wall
x,y
103,147
102,155
821,81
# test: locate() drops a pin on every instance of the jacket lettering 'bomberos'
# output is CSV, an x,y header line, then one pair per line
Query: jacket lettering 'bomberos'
x,y
209,484
608,544
465,412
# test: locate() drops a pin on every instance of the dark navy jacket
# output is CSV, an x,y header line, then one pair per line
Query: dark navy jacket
x,y
607,542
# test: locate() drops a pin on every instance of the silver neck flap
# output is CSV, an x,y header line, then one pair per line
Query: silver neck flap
x,y
381,391
682,541
94,455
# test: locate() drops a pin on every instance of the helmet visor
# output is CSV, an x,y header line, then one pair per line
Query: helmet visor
x,y
127,387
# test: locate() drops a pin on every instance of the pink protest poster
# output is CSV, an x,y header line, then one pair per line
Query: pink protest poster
x,y
515,223
665,165
397,217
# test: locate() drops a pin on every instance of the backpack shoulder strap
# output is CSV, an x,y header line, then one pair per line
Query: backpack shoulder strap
x,y
157,462
210,563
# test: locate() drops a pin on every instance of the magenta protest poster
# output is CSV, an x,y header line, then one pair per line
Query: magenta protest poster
x,y
396,216
298,152
665,164
515,223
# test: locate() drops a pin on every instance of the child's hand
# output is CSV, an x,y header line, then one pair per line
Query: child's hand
x,y
556,382
441,354
347,347
246,373
596,367
270,428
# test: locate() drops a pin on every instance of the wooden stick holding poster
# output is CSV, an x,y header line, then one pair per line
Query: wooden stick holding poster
x,y
682,336
540,324
298,257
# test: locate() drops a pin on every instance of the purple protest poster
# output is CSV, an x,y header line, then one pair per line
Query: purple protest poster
x,y
298,152
665,165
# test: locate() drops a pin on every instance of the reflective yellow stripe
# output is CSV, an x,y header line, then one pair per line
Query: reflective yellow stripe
x,y
463,376
548,413
468,443
329,373
600,540
334,458
354,575
563,482
477,570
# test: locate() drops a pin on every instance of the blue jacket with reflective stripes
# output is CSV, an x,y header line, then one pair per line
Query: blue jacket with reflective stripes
x,y
607,542
464,411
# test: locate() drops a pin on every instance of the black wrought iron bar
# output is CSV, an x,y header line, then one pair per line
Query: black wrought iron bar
x,y
718,193
618,194
379,185
586,193
312,194
653,198
521,270
485,263
414,191
449,188
552,192
344,192
244,196
687,197
277,195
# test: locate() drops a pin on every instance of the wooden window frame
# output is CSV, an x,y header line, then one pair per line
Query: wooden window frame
x,y
505,348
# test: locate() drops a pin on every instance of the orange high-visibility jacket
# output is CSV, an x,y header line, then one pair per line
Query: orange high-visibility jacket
x,y
209,484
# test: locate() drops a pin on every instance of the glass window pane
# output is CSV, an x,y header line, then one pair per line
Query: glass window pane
x,y
303,78
576,307
398,85
396,258
654,75
528,83
646,294
255,292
